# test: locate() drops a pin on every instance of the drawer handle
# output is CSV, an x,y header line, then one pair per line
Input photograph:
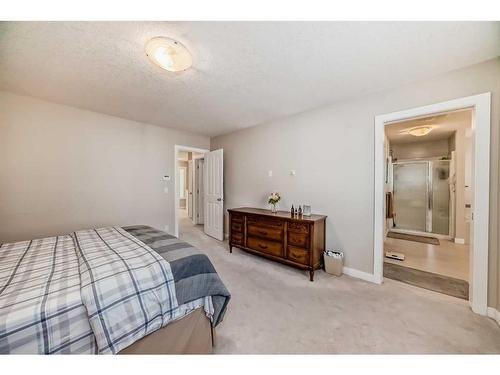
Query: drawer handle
x,y
263,232
263,246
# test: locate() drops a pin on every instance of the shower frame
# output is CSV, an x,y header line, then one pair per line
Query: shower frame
x,y
429,200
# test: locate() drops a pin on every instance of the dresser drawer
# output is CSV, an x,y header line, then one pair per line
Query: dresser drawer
x,y
298,227
265,221
236,226
298,255
298,239
271,233
237,217
237,238
265,246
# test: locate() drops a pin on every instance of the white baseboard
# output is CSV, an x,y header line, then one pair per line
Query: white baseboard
x,y
494,314
360,275
460,240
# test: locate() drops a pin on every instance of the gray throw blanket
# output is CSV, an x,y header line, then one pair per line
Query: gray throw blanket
x,y
194,274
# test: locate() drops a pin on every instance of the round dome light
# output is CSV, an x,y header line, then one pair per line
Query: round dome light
x,y
420,131
168,54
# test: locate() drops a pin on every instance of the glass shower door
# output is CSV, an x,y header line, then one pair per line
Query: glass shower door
x,y
410,191
440,197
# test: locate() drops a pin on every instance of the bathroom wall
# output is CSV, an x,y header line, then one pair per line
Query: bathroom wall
x,y
420,150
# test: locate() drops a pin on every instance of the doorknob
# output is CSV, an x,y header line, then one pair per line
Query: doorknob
x,y
219,199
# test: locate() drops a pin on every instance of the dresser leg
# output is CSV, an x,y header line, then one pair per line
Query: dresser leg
x,y
230,249
311,275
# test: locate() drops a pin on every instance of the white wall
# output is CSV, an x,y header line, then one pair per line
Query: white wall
x,y
419,150
62,169
332,150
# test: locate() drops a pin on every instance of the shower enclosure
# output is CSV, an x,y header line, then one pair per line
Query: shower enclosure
x,y
421,192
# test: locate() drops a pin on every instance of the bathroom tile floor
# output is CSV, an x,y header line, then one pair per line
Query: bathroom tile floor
x,y
447,259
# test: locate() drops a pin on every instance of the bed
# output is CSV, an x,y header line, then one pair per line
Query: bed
x,y
113,290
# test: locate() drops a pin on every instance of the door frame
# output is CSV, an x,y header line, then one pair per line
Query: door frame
x,y
178,148
481,124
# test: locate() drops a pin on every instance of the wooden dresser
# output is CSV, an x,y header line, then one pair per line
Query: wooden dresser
x,y
298,241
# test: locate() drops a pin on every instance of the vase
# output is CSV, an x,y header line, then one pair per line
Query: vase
x,y
273,208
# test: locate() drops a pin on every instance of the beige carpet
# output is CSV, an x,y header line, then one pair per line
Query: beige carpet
x,y
275,309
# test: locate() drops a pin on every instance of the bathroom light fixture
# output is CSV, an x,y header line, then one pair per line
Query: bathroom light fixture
x,y
168,54
419,131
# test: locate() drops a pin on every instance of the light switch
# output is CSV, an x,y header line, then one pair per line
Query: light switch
x,y
270,173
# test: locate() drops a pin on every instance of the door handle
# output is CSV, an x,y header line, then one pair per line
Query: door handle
x,y
262,246
219,199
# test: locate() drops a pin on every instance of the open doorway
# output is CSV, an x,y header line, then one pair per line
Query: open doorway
x,y
189,189
480,107
429,202
199,192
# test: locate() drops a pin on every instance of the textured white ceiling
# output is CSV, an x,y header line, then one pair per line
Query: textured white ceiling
x,y
244,73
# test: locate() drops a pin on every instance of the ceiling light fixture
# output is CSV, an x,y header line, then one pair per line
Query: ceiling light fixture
x,y
419,131
168,54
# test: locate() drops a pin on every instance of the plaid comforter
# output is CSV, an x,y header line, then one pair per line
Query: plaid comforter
x,y
127,289
41,309
94,291
194,274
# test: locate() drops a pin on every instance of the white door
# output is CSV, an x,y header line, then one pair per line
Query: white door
x,y
214,194
190,189
198,191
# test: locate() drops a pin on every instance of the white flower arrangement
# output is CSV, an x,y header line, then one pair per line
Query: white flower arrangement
x,y
274,198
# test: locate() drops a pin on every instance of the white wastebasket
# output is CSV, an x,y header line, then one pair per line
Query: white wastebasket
x,y
334,262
